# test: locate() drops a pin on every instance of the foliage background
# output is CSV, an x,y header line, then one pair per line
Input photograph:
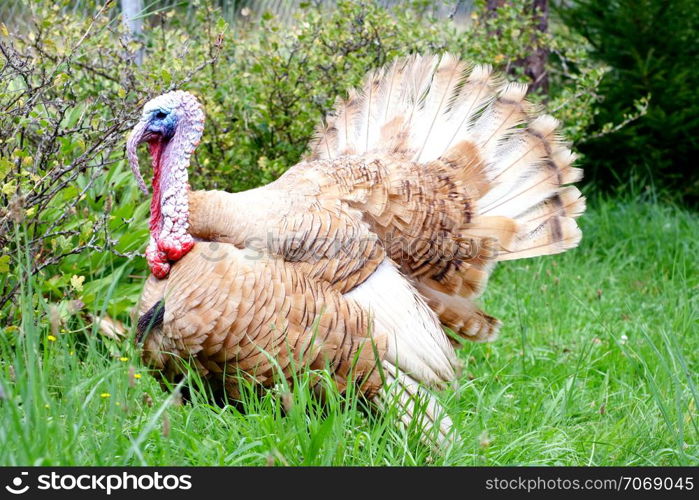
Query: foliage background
x,y
73,225
71,91
651,49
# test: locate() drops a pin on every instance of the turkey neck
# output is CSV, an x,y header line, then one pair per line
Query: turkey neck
x,y
169,206
247,218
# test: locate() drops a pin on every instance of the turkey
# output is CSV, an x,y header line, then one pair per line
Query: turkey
x,y
355,258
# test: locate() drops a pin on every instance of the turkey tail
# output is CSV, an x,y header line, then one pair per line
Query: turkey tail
x,y
415,107
416,407
501,175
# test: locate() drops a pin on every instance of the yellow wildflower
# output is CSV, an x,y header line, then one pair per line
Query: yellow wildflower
x,y
105,395
77,282
51,338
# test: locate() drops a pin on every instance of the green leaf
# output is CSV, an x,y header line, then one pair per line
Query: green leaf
x,y
5,166
5,264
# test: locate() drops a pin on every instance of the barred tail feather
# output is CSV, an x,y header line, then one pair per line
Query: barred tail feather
x,y
416,107
506,161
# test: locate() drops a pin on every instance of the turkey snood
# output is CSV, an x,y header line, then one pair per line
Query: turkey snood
x,y
172,125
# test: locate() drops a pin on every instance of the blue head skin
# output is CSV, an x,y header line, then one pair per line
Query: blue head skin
x,y
164,119
162,122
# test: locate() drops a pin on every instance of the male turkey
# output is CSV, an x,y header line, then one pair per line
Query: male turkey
x,y
355,257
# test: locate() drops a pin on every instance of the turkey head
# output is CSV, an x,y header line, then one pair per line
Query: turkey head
x,y
172,125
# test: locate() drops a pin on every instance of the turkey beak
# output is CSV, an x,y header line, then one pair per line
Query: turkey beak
x,y
137,136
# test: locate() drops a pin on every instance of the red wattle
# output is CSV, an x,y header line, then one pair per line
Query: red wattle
x,y
167,248
156,150
157,261
175,248
160,270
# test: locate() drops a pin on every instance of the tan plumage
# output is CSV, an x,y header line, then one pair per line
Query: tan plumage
x,y
230,308
414,187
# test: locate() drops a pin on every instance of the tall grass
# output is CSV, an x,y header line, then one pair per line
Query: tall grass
x,y
596,365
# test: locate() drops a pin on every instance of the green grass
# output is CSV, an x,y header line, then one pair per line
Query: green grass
x,y
596,365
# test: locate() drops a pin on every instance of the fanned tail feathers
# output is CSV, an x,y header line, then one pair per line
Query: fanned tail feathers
x,y
510,165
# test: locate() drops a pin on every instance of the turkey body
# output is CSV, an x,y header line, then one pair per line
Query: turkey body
x,y
355,258
236,313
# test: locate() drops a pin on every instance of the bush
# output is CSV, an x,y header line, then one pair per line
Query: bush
x,y
651,47
70,91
